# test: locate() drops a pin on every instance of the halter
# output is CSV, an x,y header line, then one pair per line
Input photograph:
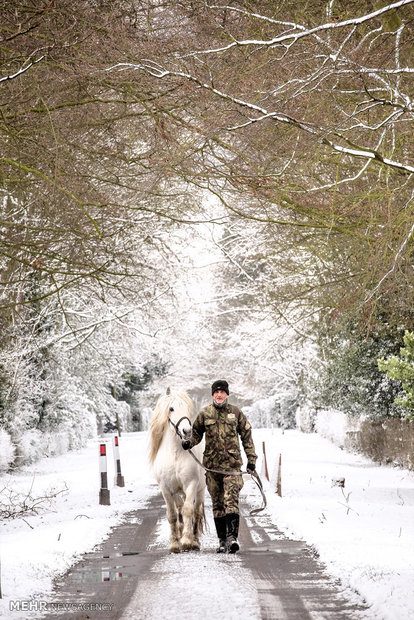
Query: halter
x,y
177,430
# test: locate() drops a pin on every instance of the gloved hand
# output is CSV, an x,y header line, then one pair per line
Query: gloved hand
x,y
186,444
250,467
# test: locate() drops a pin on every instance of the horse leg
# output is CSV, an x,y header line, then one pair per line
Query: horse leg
x,y
199,517
174,521
188,539
179,507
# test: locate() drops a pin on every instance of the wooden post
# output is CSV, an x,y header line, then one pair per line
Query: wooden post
x,y
279,477
265,461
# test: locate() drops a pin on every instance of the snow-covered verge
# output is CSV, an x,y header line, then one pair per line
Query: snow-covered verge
x,y
35,549
384,440
363,532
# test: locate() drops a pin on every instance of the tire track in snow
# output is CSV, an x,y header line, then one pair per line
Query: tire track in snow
x,y
291,583
272,577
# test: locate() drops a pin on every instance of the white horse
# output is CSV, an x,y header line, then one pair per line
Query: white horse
x,y
180,478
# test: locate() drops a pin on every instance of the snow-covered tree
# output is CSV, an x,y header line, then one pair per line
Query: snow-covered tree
x,y
119,119
299,117
348,378
401,368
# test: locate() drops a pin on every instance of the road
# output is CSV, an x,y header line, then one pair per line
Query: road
x,y
132,576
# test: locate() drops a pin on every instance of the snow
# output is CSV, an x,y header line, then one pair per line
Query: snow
x,y
363,532
218,575
7,450
36,549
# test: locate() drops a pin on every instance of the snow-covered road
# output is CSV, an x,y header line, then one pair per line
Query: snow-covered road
x,y
132,576
364,533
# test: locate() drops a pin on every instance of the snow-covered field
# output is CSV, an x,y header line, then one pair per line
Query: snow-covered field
x,y
364,532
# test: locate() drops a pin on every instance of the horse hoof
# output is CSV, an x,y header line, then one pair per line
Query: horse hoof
x,y
190,547
175,549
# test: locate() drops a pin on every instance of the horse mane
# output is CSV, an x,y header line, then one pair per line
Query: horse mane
x,y
159,420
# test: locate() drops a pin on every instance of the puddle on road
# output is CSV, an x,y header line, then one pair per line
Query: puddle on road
x,y
102,574
97,576
123,554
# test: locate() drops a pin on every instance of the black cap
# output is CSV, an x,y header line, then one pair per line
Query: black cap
x,y
220,385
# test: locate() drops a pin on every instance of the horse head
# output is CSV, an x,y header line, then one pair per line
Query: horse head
x,y
181,423
174,409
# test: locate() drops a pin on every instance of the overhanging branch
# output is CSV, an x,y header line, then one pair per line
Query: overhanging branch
x,y
304,32
156,70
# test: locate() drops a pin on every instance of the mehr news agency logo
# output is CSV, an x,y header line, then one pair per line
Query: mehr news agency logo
x,y
37,606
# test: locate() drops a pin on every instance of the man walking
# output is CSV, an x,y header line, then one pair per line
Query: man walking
x,y
222,424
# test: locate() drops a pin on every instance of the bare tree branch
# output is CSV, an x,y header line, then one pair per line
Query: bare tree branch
x,y
159,72
305,32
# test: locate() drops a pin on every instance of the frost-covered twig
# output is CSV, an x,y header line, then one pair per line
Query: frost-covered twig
x,y
21,71
347,506
160,72
394,265
15,505
304,32
401,502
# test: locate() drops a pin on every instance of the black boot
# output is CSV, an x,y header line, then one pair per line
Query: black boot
x,y
220,523
232,525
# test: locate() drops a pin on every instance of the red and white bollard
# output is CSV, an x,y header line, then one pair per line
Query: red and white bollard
x,y
104,496
119,479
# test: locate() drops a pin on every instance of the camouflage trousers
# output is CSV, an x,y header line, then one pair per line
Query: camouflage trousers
x,y
224,491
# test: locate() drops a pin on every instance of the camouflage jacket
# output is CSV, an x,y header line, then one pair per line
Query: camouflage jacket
x,y
222,428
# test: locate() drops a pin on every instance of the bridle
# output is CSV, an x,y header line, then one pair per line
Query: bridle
x,y
177,430
253,474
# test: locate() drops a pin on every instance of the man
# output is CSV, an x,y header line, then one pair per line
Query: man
x,y
222,423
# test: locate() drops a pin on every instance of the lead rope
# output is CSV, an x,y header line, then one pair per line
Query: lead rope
x,y
253,474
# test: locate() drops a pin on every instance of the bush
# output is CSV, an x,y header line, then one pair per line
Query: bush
x,y
7,451
29,447
351,382
402,369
